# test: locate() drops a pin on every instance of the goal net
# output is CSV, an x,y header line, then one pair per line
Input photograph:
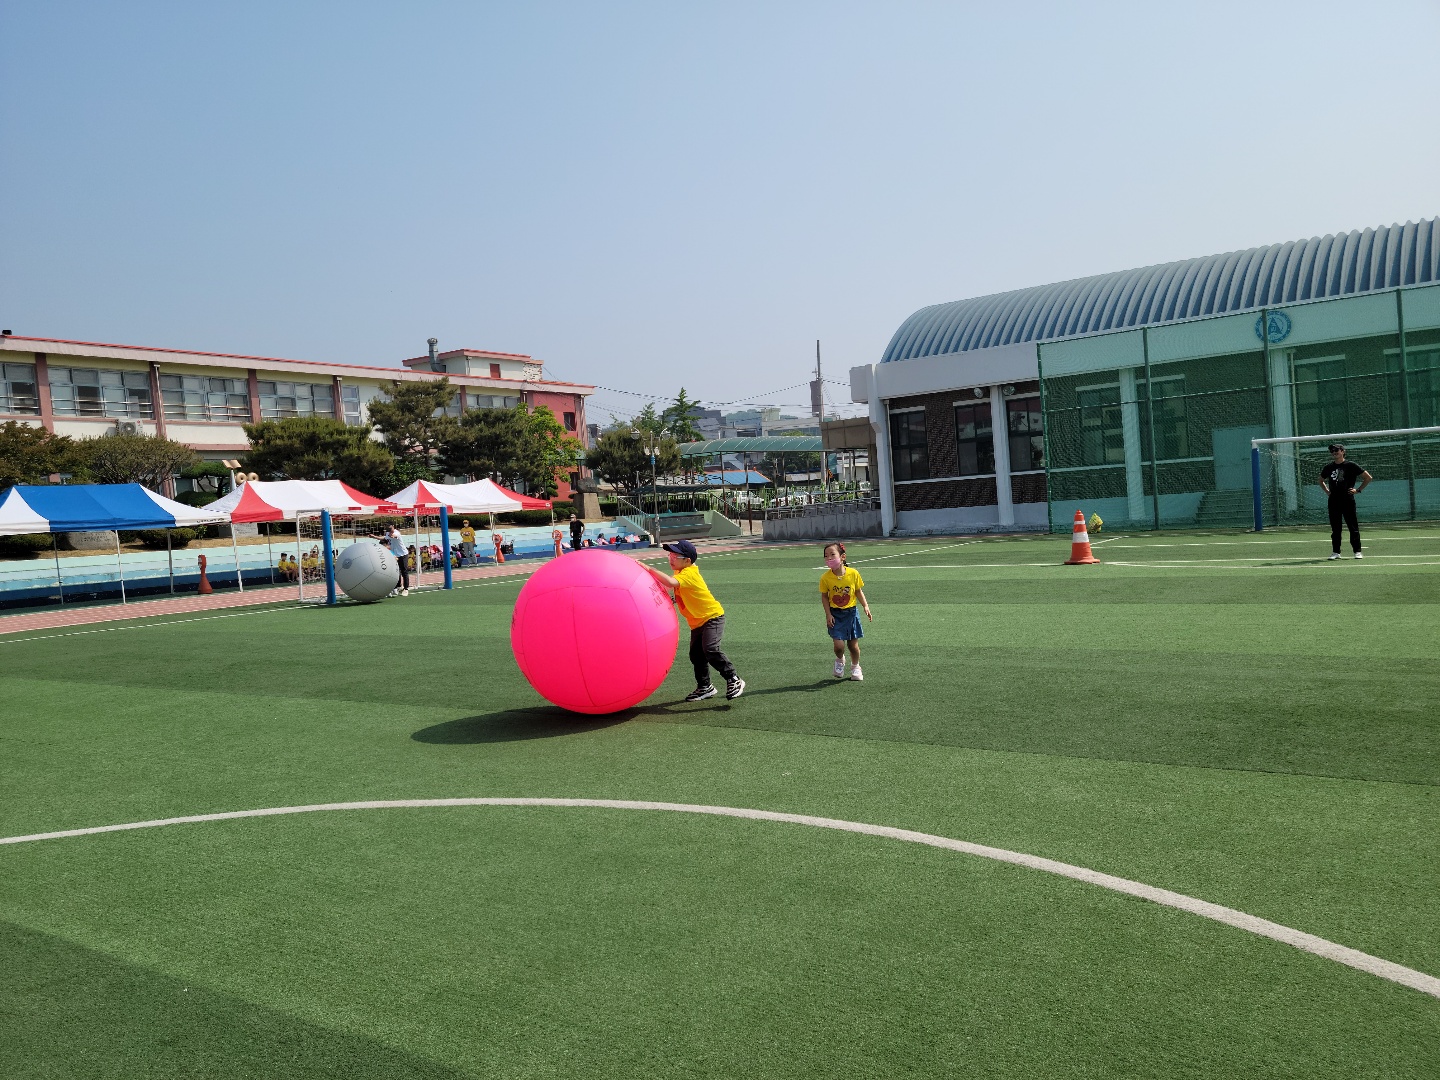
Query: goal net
x,y
1405,465
424,542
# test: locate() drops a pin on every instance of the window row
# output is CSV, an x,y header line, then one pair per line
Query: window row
x,y
974,440
465,400
1324,399
205,397
284,400
1102,421
17,389
92,392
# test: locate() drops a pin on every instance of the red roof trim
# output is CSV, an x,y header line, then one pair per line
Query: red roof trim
x,y
470,352
390,372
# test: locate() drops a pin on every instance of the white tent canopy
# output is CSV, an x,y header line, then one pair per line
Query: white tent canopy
x,y
480,497
282,500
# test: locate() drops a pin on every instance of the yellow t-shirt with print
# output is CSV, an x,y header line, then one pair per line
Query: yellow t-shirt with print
x,y
842,590
467,535
693,596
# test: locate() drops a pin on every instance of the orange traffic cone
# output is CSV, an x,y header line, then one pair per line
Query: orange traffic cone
x,y
1080,544
205,586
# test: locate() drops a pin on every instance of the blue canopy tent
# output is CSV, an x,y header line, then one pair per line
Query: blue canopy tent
x,y
29,508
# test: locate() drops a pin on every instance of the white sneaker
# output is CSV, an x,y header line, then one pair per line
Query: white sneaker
x,y
1359,555
1335,556
404,592
839,669
856,675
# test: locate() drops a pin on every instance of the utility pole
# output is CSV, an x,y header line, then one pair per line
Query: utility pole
x,y
817,406
817,389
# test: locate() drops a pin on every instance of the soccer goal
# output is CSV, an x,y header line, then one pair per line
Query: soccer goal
x,y
426,539
1405,464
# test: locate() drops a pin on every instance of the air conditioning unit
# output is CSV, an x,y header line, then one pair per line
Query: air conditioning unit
x,y
127,427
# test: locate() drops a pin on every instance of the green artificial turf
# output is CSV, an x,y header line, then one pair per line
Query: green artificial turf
x,y
1249,726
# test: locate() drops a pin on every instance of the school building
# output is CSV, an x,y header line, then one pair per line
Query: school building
x,y
1136,394
84,389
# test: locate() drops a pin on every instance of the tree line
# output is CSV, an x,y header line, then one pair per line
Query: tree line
x,y
621,453
517,447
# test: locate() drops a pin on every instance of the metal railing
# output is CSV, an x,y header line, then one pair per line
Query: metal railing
x,y
863,503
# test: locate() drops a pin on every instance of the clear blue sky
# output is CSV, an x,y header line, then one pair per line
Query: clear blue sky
x,y
651,195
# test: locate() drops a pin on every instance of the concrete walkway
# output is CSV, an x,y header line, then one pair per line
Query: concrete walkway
x,y
57,617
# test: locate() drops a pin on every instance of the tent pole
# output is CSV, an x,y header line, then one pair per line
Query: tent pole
x,y
269,553
170,559
445,544
419,555
120,567
59,578
327,540
235,546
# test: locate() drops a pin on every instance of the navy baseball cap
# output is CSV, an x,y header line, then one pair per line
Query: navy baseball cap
x,y
684,549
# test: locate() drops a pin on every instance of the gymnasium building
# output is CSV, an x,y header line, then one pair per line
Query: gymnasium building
x,y
1135,394
84,389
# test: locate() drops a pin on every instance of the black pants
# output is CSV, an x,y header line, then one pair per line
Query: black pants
x,y
404,563
705,651
1343,509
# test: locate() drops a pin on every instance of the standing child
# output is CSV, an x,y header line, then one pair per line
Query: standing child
x,y
841,588
706,618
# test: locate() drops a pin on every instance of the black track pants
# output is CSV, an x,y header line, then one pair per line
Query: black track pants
x,y
1343,509
705,651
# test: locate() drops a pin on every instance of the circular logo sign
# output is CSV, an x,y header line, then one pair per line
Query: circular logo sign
x,y
1277,327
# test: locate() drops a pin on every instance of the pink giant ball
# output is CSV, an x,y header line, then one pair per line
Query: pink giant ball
x,y
593,632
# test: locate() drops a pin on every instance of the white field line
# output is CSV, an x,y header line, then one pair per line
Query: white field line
x,y
146,626
921,551
1373,965
1270,559
964,566
1246,543
280,605
1220,564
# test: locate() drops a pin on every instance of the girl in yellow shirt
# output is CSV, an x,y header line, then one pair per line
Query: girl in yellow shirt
x,y
841,589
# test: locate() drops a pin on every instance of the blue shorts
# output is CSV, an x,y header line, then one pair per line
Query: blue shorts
x,y
847,624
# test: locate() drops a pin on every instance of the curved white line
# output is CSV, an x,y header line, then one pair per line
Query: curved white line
x,y
1374,965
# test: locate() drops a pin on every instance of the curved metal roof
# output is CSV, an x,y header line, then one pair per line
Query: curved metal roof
x,y
764,444
1326,266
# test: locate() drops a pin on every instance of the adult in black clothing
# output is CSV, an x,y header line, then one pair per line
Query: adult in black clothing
x,y
577,532
1338,479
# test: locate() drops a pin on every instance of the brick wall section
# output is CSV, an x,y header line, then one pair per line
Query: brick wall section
x,y
944,458
943,494
1029,488
560,404
939,429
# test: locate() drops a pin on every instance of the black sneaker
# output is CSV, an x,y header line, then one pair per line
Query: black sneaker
x,y
700,693
734,688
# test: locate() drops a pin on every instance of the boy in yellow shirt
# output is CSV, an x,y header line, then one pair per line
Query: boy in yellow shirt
x,y
706,618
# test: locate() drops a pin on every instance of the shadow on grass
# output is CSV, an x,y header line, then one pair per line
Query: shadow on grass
x,y
549,721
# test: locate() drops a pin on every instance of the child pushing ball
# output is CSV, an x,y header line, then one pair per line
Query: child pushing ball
x,y
841,590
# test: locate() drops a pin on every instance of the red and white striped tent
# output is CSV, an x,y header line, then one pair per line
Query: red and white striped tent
x,y
282,500
480,497
527,502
